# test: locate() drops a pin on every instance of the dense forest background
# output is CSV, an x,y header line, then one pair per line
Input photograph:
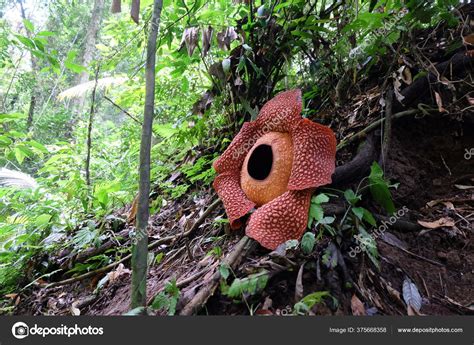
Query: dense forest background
x,y
72,99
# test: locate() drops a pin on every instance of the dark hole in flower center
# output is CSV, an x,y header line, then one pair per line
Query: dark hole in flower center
x,y
260,162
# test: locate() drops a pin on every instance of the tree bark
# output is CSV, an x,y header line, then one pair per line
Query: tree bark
x,y
31,109
89,131
140,247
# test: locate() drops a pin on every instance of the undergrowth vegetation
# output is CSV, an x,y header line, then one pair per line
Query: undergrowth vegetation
x,y
206,88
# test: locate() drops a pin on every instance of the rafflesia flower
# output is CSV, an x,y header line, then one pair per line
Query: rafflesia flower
x,y
274,165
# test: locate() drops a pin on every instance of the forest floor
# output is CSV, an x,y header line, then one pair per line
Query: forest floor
x,y
428,157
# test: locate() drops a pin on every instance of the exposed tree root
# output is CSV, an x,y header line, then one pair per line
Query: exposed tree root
x,y
242,248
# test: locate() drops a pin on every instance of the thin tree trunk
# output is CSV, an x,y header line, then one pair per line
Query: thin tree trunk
x,y
89,130
31,109
140,247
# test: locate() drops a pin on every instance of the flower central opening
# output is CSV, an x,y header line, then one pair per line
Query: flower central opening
x,y
260,162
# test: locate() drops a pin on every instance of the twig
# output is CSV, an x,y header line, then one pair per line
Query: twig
x,y
186,281
387,126
373,126
417,256
241,249
123,110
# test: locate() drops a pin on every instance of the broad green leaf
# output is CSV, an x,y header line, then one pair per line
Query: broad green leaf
x,y
379,188
12,116
309,301
351,197
369,218
74,67
28,25
19,155
224,270
45,33
320,198
158,258
249,285
358,211
26,41
307,243
5,141
43,220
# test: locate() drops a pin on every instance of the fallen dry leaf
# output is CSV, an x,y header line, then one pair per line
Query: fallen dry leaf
x,y
468,40
74,309
357,306
449,205
396,88
395,294
445,221
405,75
121,270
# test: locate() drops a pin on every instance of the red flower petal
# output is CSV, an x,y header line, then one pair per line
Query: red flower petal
x,y
233,157
314,148
281,112
235,202
282,219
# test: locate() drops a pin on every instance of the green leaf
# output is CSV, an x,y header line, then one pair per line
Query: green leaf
x,y
307,243
158,258
224,270
5,141
351,197
291,244
358,211
327,220
320,198
167,299
369,246
164,130
42,220
37,145
26,41
379,188
301,34
309,301
45,33
28,25
369,218
12,116
250,285
74,67
316,211
19,155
